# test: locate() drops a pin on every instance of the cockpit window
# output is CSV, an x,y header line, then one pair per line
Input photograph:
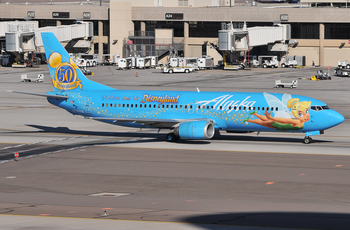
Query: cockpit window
x,y
318,107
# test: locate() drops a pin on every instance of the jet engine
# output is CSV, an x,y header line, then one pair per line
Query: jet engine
x,y
195,130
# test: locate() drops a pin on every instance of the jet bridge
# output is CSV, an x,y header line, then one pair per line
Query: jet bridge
x,y
25,36
232,41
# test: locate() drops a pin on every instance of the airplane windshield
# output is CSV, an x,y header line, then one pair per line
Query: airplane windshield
x,y
319,108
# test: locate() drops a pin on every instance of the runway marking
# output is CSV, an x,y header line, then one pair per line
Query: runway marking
x,y
11,177
10,147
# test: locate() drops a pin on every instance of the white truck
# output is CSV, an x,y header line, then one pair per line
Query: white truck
x,y
89,59
177,69
268,61
343,64
289,63
140,63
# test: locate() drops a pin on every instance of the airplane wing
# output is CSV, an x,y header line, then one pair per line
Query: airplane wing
x,y
40,94
158,123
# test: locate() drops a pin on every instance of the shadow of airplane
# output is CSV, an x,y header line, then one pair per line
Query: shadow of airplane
x,y
288,220
161,136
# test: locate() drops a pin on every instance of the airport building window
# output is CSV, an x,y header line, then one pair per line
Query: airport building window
x,y
183,2
305,30
178,26
337,30
204,29
105,28
67,22
44,23
95,24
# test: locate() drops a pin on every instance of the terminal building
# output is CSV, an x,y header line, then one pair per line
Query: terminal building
x,y
319,29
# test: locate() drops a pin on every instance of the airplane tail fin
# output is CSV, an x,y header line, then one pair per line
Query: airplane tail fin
x,y
65,74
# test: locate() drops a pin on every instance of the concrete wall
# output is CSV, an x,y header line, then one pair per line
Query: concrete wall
x,y
120,25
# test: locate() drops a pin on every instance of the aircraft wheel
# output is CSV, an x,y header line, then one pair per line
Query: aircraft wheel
x,y
186,71
170,71
307,140
265,66
171,137
283,65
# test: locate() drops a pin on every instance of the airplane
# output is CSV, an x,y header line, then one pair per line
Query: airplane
x,y
189,115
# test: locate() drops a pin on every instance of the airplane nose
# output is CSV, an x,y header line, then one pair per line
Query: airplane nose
x,y
335,118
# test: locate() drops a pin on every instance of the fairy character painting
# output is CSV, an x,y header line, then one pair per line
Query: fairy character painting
x,y
300,111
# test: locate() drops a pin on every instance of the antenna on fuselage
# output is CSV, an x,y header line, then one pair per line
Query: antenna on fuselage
x,y
198,90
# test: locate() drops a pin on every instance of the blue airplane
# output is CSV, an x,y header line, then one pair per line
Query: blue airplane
x,y
189,115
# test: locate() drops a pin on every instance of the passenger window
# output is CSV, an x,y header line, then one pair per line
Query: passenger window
x,y
212,107
154,106
262,108
180,106
276,108
185,106
235,108
267,108
106,105
171,106
127,105
258,108
163,106
111,105
175,106
118,105
191,106
244,108
103,105
135,105
123,105
271,108
167,106
207,106
240,108
254,108
132,105
149,106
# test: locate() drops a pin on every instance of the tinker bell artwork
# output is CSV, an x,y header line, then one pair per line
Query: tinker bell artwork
x,y
292,113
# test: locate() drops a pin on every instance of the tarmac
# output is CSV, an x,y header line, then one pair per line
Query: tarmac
x,y
75,173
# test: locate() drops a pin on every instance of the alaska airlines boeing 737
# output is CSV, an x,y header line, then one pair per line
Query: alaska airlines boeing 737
x,y
190,115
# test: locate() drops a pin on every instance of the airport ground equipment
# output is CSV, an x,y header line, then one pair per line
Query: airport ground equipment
x,y
289,63
110,59
24,78
205,62
342,72
280,84
268,61
178,69
343,64
122,64
139,63
323,75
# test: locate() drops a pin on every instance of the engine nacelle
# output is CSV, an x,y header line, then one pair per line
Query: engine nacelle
x,y
195,130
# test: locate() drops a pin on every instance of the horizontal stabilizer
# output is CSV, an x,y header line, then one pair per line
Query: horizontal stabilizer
x,y
41,94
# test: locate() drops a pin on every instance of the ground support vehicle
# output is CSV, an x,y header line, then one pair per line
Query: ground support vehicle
x,y
280,84
342,72
110,59
24,78
289,63
122,64
343,64
205,63
323,75
178,70
268,61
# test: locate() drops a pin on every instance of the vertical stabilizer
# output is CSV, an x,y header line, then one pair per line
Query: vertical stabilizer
x,y
65,74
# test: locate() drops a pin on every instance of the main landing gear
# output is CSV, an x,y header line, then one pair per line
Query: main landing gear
x,y
171,137
307,140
